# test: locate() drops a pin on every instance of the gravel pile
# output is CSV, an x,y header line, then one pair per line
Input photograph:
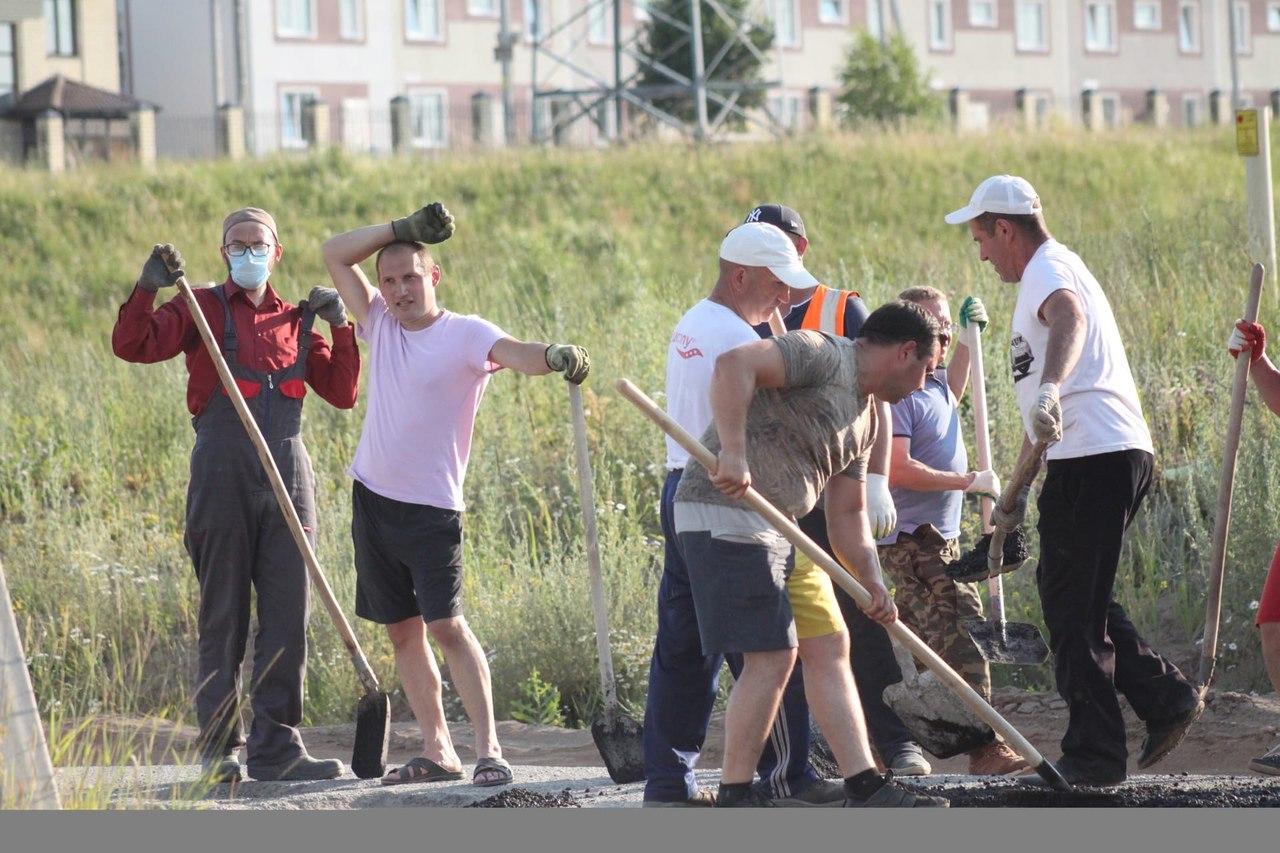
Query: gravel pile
x,y
523,798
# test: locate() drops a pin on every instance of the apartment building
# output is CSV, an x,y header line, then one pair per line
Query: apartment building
x,y
61,55
272,57
1103,62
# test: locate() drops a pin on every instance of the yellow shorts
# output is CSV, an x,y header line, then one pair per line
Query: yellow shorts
x,y
813,600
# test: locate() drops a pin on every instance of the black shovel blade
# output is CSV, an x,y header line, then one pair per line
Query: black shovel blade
x,y
373,729
1017,643
620,740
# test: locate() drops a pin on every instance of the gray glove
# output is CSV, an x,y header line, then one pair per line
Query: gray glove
x,y
570,360
162,269
327,305
431,224
1011,520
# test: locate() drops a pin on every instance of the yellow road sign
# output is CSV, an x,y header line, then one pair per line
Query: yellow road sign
x,y
1247,133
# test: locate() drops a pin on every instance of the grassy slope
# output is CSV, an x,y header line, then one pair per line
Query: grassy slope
x,y
604,249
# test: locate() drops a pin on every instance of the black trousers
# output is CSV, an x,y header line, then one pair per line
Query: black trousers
x,y
871,655
1086,504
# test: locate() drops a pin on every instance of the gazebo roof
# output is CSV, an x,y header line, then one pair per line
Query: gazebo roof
x,y
74,100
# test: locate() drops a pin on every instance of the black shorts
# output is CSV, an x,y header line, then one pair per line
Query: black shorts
x,y
408,558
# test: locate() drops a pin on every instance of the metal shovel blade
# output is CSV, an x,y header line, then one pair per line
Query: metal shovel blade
x,y
1009,642
932,712
620,740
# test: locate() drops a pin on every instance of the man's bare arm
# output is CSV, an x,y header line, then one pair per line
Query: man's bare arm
x,y
343,254
527,357
738,373
850,535
1064,315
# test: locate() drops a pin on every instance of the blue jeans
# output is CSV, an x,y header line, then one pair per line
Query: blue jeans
x,y
682,692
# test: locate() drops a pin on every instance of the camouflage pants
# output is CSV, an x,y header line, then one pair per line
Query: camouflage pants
x,y
933,605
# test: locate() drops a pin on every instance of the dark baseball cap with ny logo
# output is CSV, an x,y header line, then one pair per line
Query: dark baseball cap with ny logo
x,y
778,215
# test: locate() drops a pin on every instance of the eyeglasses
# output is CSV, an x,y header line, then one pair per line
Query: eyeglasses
x,y
258,250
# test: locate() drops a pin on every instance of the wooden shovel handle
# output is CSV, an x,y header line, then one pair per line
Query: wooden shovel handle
x,y
363,670
586,491
822,559
1226,485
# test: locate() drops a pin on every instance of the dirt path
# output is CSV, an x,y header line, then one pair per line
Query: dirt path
x,y
1209,768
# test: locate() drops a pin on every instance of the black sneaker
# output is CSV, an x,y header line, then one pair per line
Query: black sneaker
x,y
821,793
1268,764
737,798
893,795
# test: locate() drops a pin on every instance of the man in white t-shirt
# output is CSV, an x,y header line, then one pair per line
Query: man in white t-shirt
x,y
683,682
429,369
1074,389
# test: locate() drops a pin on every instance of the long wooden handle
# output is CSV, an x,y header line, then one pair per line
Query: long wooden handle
x,y
586,491
363,670
1226,484
821,558
982,437
1026,471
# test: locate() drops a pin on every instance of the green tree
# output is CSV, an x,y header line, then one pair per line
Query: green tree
x,y
883,83
663,43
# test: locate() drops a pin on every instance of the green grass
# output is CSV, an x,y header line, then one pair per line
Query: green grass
x,y
605,249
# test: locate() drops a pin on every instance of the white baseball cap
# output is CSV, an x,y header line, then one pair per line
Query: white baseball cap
x,y
998,194
758,244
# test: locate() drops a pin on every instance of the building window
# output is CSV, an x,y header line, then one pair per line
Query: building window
x,y
533,19
1029,26
982,13
292,103
426,119
787,110
786,24
600,22
1191,111
60,27
1273,17
1189,27
351,19
1146,15
940,24
1240,12
8,61
1100,26
833,11
482,8
875,24
295,18
422,20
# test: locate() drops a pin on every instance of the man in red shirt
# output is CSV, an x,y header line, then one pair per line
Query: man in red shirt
x,y
235,533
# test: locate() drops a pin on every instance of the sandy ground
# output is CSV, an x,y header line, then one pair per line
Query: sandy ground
x,y
557,766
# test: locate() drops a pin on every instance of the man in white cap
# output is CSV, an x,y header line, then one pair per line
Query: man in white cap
x,y
796,411
683,682
1069,368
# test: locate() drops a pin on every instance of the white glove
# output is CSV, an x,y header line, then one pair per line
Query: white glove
x,y
881,512
1046,414
984,483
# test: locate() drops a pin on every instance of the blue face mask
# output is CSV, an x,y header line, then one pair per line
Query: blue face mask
x,y
250,272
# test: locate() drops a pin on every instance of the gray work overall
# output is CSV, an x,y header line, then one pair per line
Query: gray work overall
x,y
237,536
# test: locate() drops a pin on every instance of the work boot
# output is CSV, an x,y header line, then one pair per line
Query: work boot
x,y
909,762
301,769
702,798
821,793
1164,736
1269,763
995,759
742,796
219,769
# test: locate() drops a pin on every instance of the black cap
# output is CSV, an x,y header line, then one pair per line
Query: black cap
x,y
778,215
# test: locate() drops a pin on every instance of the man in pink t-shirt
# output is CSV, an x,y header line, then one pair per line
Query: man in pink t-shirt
x,y
428,371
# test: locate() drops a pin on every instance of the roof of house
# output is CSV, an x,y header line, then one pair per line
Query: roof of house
x,y
74,100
